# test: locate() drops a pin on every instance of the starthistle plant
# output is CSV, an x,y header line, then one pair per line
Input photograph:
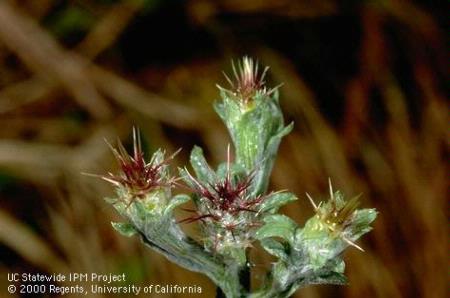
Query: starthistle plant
x,y
233,206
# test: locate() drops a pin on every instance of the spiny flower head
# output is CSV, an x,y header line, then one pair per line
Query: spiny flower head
x,y
248,81
226,197
136,175
336,215
226,208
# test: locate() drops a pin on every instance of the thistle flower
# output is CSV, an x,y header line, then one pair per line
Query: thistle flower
x,y
136,176
336,215
248,82
224,198
226,208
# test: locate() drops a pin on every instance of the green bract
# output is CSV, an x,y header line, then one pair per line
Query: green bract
x,y
232,204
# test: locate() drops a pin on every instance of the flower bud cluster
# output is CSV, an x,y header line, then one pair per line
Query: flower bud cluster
x,y
233,206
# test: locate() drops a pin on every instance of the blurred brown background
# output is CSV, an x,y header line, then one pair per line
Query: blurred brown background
x,y
365,82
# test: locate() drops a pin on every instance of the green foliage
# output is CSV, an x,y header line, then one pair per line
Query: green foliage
x,y
233,206
125,229
274,201
277,225
256,129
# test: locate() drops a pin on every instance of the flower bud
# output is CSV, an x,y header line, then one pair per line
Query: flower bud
x,y
148,182
254,119
337,224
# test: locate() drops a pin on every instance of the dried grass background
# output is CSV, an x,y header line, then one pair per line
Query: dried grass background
x,y
368,99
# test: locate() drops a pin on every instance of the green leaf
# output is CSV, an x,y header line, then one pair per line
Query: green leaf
x,y
126,229
330,278
119,201
157,157
111,201
337,265
364,217
184,174
274,248
237,171
202,170
274,142
277,226
175,202
274,201
361,221
139,210
270,153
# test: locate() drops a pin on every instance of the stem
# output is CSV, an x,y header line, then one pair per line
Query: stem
x,y
185,252
243,281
